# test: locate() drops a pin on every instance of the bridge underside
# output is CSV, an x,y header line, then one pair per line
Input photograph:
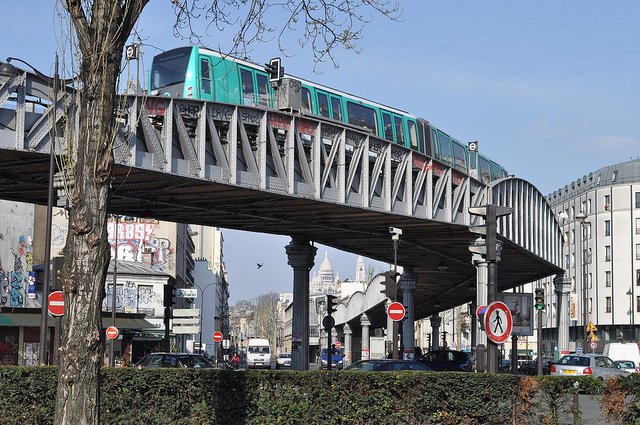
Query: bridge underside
x,y
424,244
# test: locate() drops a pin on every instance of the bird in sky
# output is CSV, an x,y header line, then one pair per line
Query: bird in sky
x,y
259,265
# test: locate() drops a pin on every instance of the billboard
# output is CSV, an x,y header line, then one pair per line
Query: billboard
x,y
521,307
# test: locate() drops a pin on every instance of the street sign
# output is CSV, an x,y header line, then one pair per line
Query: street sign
x,y
328,322
481,310
56,304
396,311
591,327
578,350
593,345
338,344
498,322
186,293
217,336
112,332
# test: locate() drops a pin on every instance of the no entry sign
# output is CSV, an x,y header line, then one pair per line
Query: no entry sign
x,y
498,322
217,336
56,304
112,332
396,311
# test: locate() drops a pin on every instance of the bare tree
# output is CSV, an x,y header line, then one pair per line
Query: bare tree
x,y
102,28
265,316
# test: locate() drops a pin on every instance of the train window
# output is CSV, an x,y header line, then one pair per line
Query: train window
x,y
399,130
205,73
460,157
496,171
413,134
170,68
388,127
446,155
263,89
362,116
434,144
306,100
336,108
485,172
323,104
248,95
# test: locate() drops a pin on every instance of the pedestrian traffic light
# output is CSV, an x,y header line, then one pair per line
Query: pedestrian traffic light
x,y
275,70
170,293
389,283
539,302
332,303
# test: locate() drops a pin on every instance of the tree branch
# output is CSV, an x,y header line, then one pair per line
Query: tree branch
x,y
80,23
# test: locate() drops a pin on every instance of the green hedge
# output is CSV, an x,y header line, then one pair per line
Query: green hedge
x,y
191,396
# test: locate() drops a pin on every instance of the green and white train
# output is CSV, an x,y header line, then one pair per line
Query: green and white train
x,y
200,73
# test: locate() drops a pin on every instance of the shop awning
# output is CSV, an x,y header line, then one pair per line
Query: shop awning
x,y
30,320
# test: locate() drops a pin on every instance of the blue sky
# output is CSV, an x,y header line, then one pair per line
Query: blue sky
x,y
551,90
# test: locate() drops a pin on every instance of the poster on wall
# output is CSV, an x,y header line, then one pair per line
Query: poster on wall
x,y
31,288
573,307
521,307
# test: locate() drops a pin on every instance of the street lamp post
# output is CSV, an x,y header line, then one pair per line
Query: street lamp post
x,y
582,218
202,292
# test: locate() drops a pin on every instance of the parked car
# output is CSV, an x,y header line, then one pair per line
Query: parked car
x,y
622,351
387,365
450,360
528,367
178,360
283,360
627,365
336,358
595,365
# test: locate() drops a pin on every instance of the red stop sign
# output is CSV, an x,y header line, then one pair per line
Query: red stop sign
x,y
396,311
112,332
217,336
56,304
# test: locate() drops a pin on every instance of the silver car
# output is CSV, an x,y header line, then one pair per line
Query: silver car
x,y
595,365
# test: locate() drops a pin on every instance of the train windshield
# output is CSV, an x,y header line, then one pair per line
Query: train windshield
x,y
170,68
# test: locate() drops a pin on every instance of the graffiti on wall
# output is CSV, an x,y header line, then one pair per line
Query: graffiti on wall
x,y
14,284
135,240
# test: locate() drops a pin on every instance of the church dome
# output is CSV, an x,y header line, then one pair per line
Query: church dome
x,y
325,266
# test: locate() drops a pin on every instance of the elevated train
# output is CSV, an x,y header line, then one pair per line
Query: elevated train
x,y
200,73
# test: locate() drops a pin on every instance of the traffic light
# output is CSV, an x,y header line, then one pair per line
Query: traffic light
x,y
275,70
389,283
332,303
539,299
170,294
488,230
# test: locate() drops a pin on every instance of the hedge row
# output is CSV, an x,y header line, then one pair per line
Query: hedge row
x,y
191,396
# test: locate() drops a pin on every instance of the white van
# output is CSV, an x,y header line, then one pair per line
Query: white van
x,y
623,351
258,353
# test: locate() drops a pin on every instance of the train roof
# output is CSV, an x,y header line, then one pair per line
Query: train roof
x,y
309,83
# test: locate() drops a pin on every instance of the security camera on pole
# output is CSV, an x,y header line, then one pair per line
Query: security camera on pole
x,y
491,253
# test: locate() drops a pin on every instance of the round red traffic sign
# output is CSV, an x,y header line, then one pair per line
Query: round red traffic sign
x,y
112,332
396,311
217,336
498,322
56,304
482,309
338,344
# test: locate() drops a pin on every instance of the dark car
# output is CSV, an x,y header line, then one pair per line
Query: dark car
x,y
449,360
180,360
387,365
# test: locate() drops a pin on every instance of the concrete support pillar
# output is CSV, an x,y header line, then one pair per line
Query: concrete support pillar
x,y
301,258
364,321
334,336
391,328
562,288
408,287
347,345
481,295
435,332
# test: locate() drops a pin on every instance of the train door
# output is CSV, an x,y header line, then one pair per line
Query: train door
x,y
248,87
388,126
414,141
206,87
255,87
398,128
336,108
323,104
